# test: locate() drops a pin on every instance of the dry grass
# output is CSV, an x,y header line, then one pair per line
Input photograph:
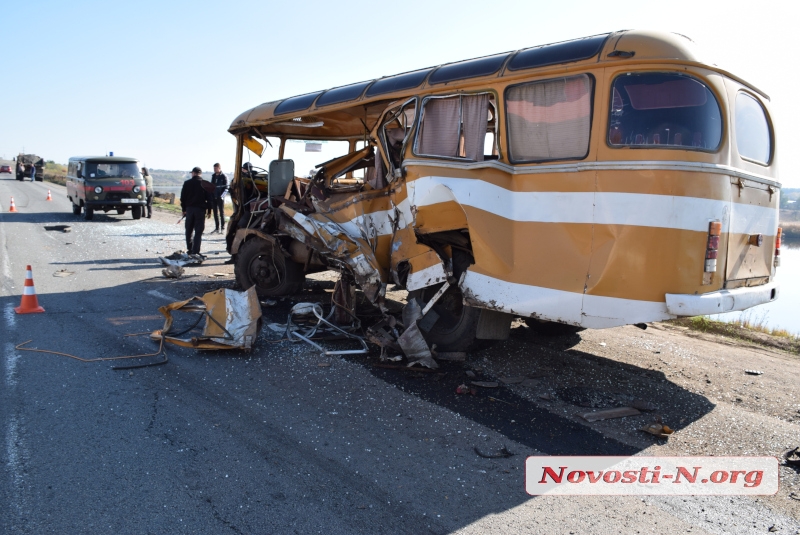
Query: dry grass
x,y
55,178
746,328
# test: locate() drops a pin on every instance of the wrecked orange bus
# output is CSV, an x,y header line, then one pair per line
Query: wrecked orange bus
x,y
610,180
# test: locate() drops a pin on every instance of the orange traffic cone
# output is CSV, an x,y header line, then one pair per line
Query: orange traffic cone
x,y
49,197
29,303
13,208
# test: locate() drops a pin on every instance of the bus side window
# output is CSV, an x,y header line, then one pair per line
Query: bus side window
x,y
456,127
549,119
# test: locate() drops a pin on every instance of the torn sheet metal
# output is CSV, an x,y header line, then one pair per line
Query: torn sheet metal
x,y
330,238
232,320
411,341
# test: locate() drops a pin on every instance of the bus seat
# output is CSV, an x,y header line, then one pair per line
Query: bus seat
x,y
697,139
677,139
639,139
656,139
615,136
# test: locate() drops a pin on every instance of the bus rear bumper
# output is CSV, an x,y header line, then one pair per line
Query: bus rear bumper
x,y
721,301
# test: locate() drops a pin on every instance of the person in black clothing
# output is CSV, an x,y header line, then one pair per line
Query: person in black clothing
x,y
220,182
195,203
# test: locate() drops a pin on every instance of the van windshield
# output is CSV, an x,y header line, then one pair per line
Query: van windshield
x,y
667,109
112,170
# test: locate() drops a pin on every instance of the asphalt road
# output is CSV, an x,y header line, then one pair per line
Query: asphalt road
x,y
260,442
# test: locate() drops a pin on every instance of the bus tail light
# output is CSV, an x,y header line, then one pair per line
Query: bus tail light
x,y
778,247
712,246
712,250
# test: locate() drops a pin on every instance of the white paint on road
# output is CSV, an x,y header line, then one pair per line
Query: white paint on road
x,y
12,356
14,465
5,262
156,293
10,317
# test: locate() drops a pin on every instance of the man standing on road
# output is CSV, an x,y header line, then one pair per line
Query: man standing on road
x,y
195,202
148,184
220,182
33,172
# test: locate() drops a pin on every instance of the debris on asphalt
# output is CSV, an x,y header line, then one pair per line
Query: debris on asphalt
x,y
530,383
470,374
485,384
63,273
607,414
644,406
181,258
172,271
658,430
233,320
464,389
792,457
511,380
546,397
502,454
754,372
61,228
268,303
404,368
306,320
457,356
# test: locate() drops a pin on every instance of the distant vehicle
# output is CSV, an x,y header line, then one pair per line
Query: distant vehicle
x,y
5,169
105,183
29,162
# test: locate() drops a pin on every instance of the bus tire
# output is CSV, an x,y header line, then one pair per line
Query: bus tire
x,y
259,263
457,324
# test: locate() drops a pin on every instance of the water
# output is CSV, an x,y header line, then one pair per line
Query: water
x,y
782,313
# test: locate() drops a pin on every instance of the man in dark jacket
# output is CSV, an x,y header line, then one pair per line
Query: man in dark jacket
x,y
195,203
220,182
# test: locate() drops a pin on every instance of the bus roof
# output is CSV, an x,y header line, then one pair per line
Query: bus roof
x,y
347,111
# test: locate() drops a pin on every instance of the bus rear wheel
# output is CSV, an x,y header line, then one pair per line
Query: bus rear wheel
x,y
457,324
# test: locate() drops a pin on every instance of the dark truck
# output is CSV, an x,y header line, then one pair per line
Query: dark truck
x,y
29,162
105,183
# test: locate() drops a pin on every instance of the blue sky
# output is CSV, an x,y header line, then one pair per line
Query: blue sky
x,y
162,81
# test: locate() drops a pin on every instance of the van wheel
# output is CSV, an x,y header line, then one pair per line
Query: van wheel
x,y
136,212
457,324
76,209
88,213
260,264
551,328
120,211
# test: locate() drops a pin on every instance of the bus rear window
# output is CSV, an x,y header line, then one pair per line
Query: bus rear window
x,y
752,130
669,110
